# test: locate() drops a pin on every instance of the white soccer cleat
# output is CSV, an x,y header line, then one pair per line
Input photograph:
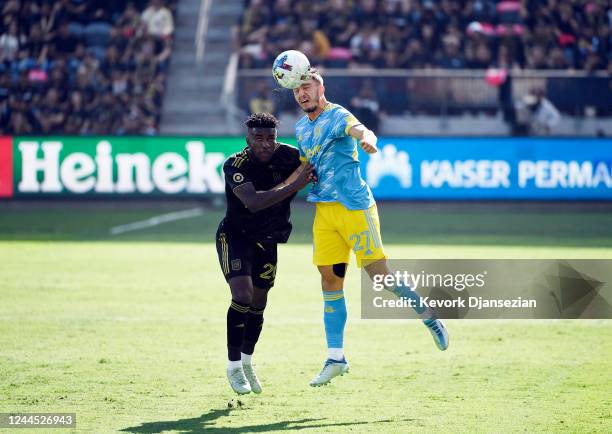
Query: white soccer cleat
x,y
438,331
331,369
251,376
238,381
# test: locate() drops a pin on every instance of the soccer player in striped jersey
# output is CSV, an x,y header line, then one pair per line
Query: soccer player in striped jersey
x,y
260,182
346,217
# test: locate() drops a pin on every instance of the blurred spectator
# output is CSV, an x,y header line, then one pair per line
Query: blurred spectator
x,y
536,115
451,57
158,19
10,42
338,24
50,113
478,34
83,67
415,56
19,124
64,41
365,106
129,22
260,101
366,45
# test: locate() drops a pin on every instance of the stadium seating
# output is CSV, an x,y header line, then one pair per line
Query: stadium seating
x,y
472,34
97,34
76,67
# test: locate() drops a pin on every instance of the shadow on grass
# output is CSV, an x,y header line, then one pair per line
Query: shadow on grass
x,y
205,422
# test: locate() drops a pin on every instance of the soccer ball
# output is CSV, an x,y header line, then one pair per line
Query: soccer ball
x,y
290,69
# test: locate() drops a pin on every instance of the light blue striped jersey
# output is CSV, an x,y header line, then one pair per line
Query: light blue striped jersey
x,y
325,143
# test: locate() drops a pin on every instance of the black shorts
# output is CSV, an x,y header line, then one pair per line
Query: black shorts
x,y
241,257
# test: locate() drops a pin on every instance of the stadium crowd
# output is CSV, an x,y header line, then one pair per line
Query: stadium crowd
x,y
534,34
83,67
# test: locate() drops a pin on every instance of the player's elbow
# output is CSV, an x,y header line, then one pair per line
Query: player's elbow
x,y
254,208
252,205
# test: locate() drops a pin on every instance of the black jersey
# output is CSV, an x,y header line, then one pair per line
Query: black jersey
x,y
271,224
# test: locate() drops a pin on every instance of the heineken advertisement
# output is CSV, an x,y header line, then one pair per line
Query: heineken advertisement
x,y
111,166
404,168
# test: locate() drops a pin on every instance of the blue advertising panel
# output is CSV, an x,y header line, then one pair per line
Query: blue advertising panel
x,y
490,168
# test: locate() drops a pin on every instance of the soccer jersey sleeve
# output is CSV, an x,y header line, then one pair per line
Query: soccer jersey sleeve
x,y
302,155
344,121
296,156
298,138
235,174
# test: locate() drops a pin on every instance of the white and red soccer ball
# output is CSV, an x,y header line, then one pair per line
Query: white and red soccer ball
x,y
291,69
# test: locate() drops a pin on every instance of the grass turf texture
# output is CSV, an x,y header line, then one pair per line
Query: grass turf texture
x,y
129,331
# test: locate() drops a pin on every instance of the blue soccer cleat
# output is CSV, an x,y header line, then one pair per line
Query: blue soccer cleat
x,y
438,331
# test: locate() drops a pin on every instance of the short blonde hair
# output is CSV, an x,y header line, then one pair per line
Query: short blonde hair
x,y
316,75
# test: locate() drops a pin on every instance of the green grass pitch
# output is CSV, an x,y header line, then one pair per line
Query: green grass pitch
x,y
129,331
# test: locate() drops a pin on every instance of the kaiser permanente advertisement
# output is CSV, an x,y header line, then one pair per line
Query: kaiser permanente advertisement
x,y
404,168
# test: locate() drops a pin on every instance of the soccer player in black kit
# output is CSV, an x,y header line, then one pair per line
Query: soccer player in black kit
x,y
260,182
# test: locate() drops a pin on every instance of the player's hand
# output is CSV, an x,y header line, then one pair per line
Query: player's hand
x,y
368,142
304,175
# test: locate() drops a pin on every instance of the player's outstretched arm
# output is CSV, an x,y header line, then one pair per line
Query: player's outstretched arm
x,y
367,138
291,178
257,200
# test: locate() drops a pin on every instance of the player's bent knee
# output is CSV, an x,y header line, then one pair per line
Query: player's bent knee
x,y
242,296
339,270
260,298
329,279
242,289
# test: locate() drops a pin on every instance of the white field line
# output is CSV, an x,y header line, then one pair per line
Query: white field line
x,y
157,220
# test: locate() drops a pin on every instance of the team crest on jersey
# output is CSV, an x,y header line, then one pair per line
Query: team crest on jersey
x,y
236,264
238,177
310,153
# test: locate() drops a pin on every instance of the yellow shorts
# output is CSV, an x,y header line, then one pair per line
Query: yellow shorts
x,y
338,230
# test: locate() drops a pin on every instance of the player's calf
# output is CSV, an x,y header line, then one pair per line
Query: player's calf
x,y
252,332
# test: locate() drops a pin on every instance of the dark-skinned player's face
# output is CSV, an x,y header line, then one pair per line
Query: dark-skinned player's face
x,y
262,143
308,95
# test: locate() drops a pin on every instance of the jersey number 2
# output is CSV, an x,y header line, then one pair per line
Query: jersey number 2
x,y
357,239
269,273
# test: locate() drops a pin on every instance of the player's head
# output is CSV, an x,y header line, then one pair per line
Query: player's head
x,y
261,135
310,96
